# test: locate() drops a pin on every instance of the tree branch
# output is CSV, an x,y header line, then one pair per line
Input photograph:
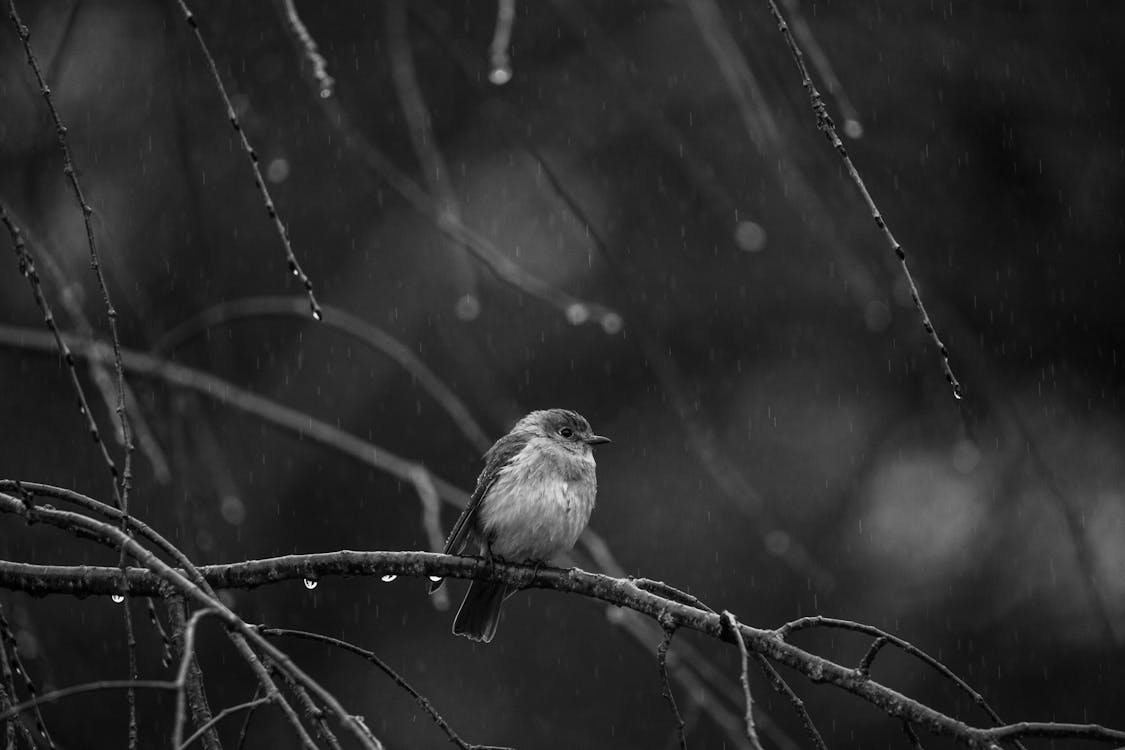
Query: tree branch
x,y
87,580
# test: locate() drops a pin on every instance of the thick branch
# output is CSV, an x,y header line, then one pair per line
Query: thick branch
x,y
86,580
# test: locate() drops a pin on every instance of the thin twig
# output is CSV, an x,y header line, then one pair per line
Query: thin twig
x,y
853,128
30,272
228,711
864,666
825,124
245,731
8,699
829,622
193,686
165,641
187,661
131,650
71,172
671,592
665,687
12,657
782,687
313,712
387,670
744,678
252,156
912,735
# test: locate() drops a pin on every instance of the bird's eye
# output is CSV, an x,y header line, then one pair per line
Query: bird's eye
x,y
566,432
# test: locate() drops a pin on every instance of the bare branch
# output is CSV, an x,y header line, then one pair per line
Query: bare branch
x,y
912,736
201,595
617,591
782,687
228,711
71,172
829,622
9,651
825,125
751,732
665,687
876,646
387,670
252,156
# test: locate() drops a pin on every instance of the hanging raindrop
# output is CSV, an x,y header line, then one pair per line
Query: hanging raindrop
x,y
117,598
389,577
310,583
435,579
500,74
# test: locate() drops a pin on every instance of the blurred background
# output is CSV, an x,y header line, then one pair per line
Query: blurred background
x,y
696,275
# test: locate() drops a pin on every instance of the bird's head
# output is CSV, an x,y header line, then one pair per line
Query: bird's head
x,y
563,427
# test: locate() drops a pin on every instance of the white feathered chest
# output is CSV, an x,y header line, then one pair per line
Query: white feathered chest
x,y
540,503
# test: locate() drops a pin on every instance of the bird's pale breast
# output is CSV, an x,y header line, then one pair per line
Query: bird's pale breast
x,y
540,503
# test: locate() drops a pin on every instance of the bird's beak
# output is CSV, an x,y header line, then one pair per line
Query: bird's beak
x,y
597,440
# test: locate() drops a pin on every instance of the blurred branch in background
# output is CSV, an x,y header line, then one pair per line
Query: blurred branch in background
x,y
343,321
432,164
448,223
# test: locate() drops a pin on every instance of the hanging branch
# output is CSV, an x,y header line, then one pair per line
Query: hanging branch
x,y
731,624
666,687
825,125
483,249
28,270
71,172
252,156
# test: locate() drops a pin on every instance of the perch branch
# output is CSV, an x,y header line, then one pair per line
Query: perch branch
x,y
87,580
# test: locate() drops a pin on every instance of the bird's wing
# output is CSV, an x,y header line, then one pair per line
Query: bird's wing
x,y
497,457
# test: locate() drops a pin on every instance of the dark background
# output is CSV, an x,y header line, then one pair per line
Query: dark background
x,y
784,441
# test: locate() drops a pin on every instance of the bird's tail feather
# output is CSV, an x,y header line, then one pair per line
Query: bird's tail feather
x,y
480,611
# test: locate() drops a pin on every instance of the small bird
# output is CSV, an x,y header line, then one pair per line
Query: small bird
x,y
531,502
